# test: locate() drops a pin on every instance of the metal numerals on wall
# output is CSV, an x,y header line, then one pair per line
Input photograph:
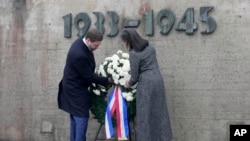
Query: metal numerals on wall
x,y
82,22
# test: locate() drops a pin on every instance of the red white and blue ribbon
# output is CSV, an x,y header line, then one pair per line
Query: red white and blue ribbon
x,y
116,105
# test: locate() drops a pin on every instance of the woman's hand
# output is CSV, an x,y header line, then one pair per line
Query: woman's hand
x,y
127,85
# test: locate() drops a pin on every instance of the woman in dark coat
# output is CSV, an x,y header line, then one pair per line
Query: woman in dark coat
x,y
152,119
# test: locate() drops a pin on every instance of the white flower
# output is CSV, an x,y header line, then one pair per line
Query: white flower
x,y
115,57
119,70
101,67
103,73
125,55
103,90
134,87
123,73
115,76
115,64
119,52
97,92
126,65
122,82
134,90
126,78
116,81
110,70
129,98
124,94
118,67
108,59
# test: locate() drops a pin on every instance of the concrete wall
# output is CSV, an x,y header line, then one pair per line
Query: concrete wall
x,y
206,77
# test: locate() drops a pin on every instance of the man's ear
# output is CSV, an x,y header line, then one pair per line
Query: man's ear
x,y
87,40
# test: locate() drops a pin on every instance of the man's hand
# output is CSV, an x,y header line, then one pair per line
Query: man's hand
x,y
110,80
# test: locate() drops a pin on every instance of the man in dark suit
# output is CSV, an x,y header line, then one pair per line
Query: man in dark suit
x,y
73,95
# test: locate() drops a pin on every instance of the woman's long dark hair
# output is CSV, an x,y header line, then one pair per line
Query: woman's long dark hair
x,y
134,40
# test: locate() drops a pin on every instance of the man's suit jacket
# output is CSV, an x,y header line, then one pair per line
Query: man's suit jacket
x,y
73,95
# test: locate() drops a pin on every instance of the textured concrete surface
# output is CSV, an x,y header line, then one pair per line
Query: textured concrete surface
x,y
206,76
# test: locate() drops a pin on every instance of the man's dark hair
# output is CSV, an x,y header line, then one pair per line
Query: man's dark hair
x,y
94,35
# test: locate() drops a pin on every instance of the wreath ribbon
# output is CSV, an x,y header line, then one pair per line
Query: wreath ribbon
x,y
116,105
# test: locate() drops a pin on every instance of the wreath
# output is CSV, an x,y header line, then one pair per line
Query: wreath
x,y
117,67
